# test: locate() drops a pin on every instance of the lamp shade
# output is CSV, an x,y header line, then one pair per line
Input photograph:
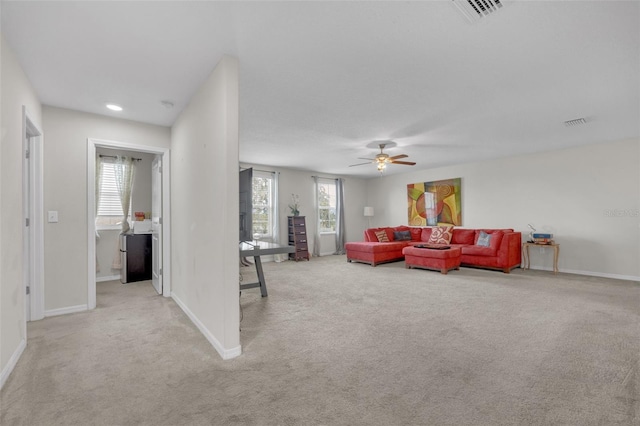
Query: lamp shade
x,y
368,211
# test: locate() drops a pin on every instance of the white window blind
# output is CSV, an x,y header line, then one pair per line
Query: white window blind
x,y
109,204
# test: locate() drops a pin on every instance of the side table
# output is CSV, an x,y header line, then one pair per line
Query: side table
x,y
556,253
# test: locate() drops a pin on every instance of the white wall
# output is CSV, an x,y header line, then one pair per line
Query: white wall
x,y
107,244
204,216
588,197
301,183
16,92
65,190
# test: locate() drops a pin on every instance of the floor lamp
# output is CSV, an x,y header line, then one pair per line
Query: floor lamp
x,y
368,213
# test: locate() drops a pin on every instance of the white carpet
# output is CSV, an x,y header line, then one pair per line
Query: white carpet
x,y
346,344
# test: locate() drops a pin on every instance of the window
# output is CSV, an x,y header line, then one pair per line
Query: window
x,y
263,202
327,205
109,205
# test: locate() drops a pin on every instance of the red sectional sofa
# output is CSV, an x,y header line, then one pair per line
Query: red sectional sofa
x,y
502,254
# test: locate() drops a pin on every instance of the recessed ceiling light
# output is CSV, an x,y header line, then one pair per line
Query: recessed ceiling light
x,y
114,107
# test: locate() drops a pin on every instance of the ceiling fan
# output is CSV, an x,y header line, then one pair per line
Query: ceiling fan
x,y
381,160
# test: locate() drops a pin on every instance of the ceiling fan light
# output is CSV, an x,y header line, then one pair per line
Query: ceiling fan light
x,y
382,159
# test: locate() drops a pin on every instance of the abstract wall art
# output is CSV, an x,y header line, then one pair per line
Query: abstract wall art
x,y
435,203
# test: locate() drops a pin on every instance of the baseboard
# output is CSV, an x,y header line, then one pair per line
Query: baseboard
x,y
109,278
592,274
64,311
602,275
6,371
224,353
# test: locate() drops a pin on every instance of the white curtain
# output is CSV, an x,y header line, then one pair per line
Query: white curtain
x,y
316,236
276,217
125,171
340,232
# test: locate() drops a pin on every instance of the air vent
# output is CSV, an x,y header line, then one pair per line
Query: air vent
x,y
576,122
474,10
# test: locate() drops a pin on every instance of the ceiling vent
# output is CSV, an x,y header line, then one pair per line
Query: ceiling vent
x,y
474,10
576,122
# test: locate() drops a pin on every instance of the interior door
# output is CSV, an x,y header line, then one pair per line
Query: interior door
x,y
156,223
27,249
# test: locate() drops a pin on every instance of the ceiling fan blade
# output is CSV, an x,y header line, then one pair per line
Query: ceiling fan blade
x,y
397,157
382,158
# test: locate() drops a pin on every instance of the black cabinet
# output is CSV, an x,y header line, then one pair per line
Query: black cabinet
x,y
298,238
135,252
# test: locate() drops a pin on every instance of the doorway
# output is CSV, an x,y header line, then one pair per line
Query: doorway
x,y
162,156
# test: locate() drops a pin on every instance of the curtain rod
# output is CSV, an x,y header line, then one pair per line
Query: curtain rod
x,y
322,177
257,170
115,156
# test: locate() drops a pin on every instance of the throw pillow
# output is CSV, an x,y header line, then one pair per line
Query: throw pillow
x,y
441,235
402,235
382,236
484,240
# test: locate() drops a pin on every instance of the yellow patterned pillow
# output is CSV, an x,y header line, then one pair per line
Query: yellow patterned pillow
x,y
382,236
441,235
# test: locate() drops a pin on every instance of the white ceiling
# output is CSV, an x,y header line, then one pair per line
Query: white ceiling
x,y
319,81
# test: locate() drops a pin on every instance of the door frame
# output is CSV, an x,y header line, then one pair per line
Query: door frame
x,y
156,235
33,238
165,153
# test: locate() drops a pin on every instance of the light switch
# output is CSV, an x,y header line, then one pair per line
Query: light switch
x,y
53,216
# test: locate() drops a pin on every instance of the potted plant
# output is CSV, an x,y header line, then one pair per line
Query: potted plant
x,y
295,205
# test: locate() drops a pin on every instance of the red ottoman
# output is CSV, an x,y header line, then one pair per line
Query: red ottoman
x,y
436,259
